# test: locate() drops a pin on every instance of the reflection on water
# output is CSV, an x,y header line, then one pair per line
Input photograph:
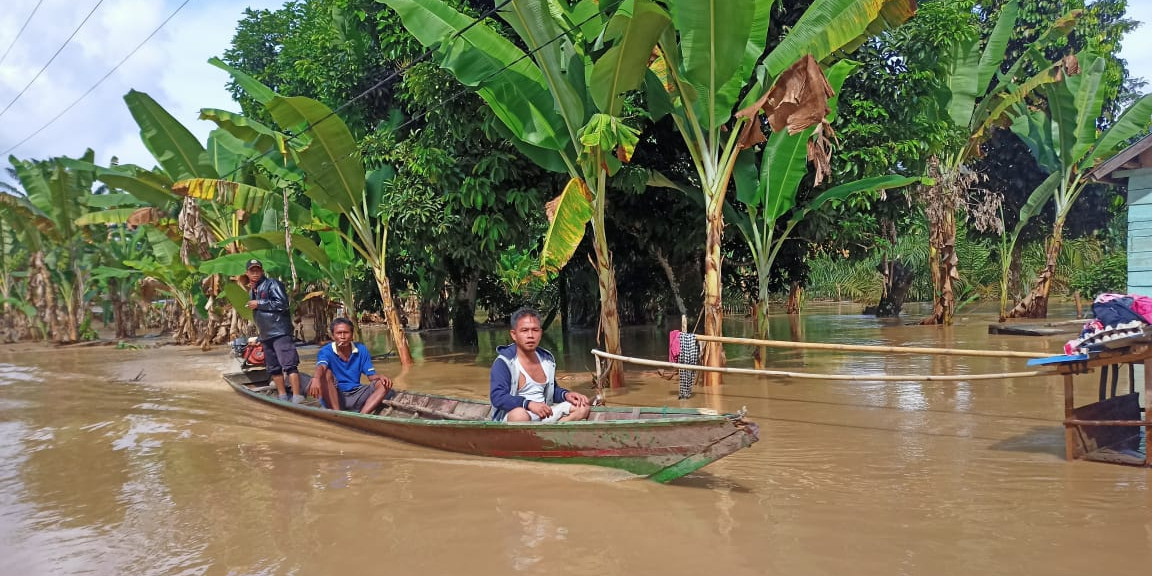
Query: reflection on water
x,y
175,474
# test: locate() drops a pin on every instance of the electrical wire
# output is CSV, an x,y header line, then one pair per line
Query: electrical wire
x,y
21,32
329,165
53,58
98,82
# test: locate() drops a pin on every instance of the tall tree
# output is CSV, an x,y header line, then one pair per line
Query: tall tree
x,y
700,74
1066,141
560,102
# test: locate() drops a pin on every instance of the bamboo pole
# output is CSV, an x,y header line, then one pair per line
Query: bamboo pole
x,y
811,376
1074,422
865,348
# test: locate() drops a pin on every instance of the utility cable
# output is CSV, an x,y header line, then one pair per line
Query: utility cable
x,y
53,58
460,93
98,82
370,89
21,32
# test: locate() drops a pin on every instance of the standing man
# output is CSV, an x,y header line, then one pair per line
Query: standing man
x,y
522,382
269,305
339,367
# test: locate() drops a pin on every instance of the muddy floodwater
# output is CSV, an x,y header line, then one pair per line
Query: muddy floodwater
x,y
142,461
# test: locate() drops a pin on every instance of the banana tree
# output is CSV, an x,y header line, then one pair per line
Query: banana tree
x,y
769,192
1064,139
334,178
559,102
713,53
976,98
61,258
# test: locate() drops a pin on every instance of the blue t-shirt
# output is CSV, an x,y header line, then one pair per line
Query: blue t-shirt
x,y
347,374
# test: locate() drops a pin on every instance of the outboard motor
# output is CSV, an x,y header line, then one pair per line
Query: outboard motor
x,y
250,351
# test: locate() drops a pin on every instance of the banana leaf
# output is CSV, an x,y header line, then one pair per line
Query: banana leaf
x,y
713,41
541,26
331,160
633,30
257,90
568,215
510,83
831,25
226,192
257,135
154,188
174,147
238,297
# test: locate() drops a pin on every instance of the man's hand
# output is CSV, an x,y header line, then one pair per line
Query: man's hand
x,y
381,380
540,409
314,388
576,399
252,304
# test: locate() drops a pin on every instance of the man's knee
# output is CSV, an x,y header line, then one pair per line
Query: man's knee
x,y
519,415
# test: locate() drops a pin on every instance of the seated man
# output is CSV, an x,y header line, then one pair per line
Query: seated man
x,y
338,369
522,383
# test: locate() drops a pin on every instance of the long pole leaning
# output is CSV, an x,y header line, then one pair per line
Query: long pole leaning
x,y
813,376
867,348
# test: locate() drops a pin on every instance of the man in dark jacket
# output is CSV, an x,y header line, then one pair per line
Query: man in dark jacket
x,y
269,305
522,382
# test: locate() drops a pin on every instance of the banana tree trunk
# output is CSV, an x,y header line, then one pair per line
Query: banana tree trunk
x,y
1035,304
43,294
943,264
713,352
606,278
760,315
395,330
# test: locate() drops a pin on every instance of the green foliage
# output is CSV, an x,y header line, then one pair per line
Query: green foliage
x,y
1109,274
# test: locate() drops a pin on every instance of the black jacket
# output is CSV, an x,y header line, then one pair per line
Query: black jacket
x,y
271,313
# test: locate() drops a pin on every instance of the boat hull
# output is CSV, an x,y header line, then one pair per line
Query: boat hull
x,y
663,445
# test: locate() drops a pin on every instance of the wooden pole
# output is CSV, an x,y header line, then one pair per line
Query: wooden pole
x,y
1147,412
1071,434
864,348
811,376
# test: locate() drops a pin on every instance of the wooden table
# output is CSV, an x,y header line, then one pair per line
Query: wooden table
x,y
1101,430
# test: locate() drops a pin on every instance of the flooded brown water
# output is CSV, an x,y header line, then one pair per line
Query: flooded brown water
x,y
176,474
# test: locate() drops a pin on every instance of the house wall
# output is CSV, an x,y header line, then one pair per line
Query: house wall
x,y
1139,230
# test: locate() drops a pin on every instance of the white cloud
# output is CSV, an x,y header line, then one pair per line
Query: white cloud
x,y
1136,47
171,67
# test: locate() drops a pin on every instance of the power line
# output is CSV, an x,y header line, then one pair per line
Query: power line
x,y
460,93
98,82
21,32
372,88
53,58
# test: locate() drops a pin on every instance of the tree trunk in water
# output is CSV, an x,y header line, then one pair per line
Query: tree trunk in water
x,y
399,340
464,314
713,352
1035,304
943,264
795,296
125,327
606,278
609,320
897,282
670,274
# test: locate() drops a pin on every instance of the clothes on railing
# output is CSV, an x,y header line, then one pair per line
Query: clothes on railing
x,y
684,351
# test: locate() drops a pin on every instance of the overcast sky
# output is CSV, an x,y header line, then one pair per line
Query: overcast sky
x,y
171,67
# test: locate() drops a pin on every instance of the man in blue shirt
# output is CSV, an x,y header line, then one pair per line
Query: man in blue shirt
x,y
339,366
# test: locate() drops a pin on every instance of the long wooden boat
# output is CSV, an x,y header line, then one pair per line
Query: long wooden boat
x,y
660,443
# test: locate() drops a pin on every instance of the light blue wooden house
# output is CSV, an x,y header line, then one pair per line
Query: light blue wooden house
x,y
1133,167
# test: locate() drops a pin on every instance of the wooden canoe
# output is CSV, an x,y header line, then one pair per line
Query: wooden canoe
x,y
660,443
